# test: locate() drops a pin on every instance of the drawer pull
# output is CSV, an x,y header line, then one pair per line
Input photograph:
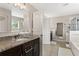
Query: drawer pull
x,y
26,51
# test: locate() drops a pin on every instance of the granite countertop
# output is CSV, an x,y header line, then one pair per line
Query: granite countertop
x,y
6,34
9,43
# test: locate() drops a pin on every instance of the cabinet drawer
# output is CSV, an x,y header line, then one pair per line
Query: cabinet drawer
x,y
27,49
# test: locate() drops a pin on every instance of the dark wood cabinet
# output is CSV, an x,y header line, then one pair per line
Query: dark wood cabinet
x,y
16,51
36,46
27,49
31,48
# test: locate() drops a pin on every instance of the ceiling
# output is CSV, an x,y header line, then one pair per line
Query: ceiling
x,y
57,9
49,9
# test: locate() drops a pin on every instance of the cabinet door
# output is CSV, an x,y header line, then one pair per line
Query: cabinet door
x,y
16,51
36,47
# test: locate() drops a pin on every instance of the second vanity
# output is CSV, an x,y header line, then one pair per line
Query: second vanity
x,y
22,46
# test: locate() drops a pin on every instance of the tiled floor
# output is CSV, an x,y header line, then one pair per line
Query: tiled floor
x,y
49,50
56,48
64,52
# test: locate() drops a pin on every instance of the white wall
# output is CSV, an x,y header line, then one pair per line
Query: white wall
x,y
33,22
28,22
41,26
46,31
37,23
66,20
54,21
5,24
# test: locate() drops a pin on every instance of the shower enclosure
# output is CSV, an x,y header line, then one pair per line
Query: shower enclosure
x,y
75,24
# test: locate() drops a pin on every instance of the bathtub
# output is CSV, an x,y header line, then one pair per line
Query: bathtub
x,y
74,42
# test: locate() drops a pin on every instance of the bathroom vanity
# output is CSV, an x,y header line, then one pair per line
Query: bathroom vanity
x,y
23,46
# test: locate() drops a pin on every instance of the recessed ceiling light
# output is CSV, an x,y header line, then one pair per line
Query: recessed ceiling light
x,y
65,4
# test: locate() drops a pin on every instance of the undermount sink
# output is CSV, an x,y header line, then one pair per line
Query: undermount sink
x,y
21,39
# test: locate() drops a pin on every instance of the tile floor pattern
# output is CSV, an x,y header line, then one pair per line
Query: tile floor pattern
x,y
56,48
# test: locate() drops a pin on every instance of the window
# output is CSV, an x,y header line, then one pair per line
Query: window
x,y
17,24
